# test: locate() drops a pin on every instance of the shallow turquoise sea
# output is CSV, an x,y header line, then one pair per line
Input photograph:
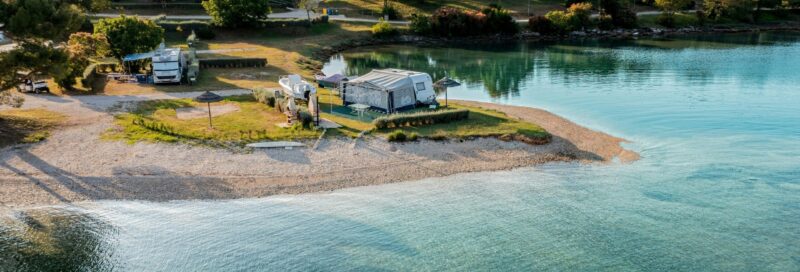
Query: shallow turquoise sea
x,y
715,119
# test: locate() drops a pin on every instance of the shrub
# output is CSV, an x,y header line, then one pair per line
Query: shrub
x,y
626,18
413,137
305,118
396,136
666,20
542,25
454,22
605,22
499,20
391,12
580,15
205,33
233,62
383,29
569,3
420,24
420,118
559,19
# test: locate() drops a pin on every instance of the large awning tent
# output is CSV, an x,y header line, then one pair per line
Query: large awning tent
x,y
385,90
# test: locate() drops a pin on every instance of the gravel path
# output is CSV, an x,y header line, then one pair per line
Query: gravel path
x,y
74,164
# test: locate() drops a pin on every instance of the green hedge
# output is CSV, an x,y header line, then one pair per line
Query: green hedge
x,y
88,76
233,62
186,26
420,118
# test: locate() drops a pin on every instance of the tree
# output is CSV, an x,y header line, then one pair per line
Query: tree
x,y
236,13
82,49
670,7
309,5
128,35
40,29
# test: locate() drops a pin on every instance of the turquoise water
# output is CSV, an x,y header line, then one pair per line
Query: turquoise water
x,y
716,120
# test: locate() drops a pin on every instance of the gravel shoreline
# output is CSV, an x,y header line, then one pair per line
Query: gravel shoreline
x,y
75,165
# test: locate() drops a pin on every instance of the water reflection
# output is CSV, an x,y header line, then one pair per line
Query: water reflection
x,y
503,69
54,239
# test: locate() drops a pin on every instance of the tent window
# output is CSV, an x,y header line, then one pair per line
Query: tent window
x,y
421,86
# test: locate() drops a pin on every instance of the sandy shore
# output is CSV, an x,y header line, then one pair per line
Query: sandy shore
x,y
75,165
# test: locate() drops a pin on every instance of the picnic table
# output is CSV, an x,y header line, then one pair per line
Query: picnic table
x,y
359,108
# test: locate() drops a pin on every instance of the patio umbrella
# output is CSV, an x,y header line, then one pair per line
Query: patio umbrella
x,y
444,83
208,98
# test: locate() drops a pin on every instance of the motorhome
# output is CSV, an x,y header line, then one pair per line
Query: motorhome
x,y
167,65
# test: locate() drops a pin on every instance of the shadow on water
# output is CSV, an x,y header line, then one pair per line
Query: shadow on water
x,y
60,239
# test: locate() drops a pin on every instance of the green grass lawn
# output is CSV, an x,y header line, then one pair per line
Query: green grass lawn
x,y
481,123
27,125
253,122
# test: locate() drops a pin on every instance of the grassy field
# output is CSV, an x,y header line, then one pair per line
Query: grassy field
x,y
285,49
253,122
481,123
27,125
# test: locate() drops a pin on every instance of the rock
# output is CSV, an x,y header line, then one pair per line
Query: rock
x,y
577,33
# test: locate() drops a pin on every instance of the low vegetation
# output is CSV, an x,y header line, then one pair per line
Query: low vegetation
x,y
420,118
457,22
479,123
27,125
157,121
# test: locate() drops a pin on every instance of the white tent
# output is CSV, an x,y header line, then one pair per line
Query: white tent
x,y
386,90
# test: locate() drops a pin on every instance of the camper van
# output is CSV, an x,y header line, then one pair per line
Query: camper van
x,y
167,65
390,90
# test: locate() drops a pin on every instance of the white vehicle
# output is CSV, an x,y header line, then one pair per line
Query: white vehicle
x,y
167,65
296,87
390,90
38,86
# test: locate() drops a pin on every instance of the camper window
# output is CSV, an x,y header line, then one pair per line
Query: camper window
x,y
421,86
165,66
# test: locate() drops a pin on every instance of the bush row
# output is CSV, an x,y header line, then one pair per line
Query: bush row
x,y
233,62
155,126
578,17
400,136
420,118
453,22
265,96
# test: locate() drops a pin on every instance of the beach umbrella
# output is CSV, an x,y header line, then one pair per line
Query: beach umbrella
x,y
444,83
208,98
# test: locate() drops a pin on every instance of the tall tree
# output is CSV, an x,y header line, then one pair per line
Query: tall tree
x,y
309,5
40,28
236,13
670,7
128,35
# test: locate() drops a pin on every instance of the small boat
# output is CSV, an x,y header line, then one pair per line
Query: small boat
x,y
296,87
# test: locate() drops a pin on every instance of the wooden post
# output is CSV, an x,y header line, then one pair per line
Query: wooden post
x,y
445,97
209,115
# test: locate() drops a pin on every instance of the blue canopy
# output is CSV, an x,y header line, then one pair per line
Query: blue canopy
x,y
138,56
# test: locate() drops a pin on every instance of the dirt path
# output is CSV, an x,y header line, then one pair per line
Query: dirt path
x,y
74,164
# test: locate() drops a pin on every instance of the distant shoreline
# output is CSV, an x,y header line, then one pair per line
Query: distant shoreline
x,y
70,167
324,54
